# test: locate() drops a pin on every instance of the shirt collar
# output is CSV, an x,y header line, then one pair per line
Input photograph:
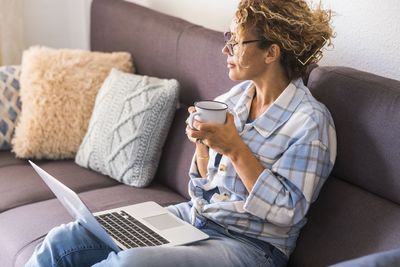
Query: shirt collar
x,y
277,114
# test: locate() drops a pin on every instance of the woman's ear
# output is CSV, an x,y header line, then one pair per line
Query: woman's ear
x,y
272,53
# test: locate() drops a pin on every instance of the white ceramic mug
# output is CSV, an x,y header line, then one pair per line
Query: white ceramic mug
x,y
208,111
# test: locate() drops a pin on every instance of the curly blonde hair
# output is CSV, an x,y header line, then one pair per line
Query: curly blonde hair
x,y
299,30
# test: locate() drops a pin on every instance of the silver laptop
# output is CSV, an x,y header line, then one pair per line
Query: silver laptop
x,y
140,225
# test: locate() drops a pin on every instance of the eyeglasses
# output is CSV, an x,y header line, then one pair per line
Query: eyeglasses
x,y
233,46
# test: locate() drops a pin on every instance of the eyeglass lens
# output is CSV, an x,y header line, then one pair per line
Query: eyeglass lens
x,y
228,44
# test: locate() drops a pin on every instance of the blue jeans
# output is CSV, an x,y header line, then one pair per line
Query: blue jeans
x,y
73,245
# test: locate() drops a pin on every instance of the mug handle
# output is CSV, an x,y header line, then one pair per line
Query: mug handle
x,y
191,118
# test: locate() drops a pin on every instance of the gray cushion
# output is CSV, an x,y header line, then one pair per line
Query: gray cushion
x,y
128,127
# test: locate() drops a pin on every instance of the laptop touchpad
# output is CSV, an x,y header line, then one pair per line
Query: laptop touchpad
x,y
163,221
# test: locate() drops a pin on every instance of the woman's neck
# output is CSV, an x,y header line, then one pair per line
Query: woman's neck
x,y
267,91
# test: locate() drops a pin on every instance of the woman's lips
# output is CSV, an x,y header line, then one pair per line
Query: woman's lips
x,y
230,65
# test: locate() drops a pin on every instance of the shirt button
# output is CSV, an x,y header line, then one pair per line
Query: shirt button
x,y
222,168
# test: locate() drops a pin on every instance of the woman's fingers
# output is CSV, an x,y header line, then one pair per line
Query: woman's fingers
x,y
194,136
188,133
217,134
229,118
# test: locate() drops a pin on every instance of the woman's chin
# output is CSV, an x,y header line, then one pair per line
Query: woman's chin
x,y
233,75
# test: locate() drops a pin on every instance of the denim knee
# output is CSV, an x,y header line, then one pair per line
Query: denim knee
x,y
61,232
69,245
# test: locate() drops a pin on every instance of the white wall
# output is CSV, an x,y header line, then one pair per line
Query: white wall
x,y
57,23
368,36
214,14
368,33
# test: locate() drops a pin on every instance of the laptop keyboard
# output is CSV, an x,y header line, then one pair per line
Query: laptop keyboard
x,y
129,231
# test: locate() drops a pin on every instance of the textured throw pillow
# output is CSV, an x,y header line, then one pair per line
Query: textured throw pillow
x,y
129,126
58,90
10,104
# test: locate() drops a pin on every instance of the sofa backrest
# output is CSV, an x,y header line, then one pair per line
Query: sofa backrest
x,y
358,210
366,111
364,106
165,47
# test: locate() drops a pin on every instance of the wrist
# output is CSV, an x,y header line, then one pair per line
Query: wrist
x,y
201,151
202,157
236,151
201,148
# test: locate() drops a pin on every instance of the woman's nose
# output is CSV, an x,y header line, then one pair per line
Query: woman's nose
x,y
225,50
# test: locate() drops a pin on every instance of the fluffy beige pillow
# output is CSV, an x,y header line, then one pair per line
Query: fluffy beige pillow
x,y
58,91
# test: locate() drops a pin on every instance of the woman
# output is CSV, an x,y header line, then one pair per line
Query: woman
x,y
254,177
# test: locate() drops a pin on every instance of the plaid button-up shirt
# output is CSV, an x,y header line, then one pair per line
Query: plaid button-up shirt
x,y
295,141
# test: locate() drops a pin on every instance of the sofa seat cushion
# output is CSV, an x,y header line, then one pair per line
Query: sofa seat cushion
x,y
23,227
20,184
369,224
123,195
8,159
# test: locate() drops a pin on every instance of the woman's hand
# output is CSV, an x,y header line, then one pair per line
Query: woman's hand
x,y
223,138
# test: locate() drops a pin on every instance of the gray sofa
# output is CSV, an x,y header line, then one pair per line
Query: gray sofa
x,y
357,212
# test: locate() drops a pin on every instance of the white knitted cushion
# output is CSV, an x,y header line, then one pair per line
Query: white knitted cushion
x,y
128,127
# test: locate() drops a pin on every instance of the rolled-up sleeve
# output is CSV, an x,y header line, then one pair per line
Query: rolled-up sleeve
x,y
282,195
